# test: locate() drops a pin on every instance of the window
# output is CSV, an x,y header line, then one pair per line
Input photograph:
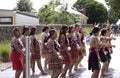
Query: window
x,y
6,20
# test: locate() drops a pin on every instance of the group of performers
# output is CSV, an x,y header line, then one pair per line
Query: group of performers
x,y
100,51
62,53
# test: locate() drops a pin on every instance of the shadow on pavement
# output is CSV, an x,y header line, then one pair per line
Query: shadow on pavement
x,y
37,75
111,71
78,73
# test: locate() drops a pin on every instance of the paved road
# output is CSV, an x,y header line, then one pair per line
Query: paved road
x,y
84,72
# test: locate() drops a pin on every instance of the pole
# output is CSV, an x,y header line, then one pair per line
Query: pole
x,y
27,57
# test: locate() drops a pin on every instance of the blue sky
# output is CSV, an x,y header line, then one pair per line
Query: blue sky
x,y
10,4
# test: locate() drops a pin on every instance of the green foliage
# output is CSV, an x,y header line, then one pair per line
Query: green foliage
x,y
48,15
95,11
25,6
5,51
114,12
87,29
111,17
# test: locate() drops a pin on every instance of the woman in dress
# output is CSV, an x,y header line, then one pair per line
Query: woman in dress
x,y
54,58
79,46
17,53
83,49
73,44
24,34
63,41
44,36
35,51
94,58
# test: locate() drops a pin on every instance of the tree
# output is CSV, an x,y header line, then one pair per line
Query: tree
x,y
95,11
25,6
49,15
114,9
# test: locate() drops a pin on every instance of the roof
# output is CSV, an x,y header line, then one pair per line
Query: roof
x,y
23,13
27,14
76,12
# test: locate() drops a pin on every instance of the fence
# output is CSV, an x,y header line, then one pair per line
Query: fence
x,y
6,30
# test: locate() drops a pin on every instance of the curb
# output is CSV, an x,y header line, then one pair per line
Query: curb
x,y
5,68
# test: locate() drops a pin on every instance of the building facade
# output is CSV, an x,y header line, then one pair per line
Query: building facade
x,y
10,17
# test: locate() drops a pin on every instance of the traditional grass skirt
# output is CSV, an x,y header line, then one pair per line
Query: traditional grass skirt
x,y
54,63
74,53
66,58
108,54
44,52
93,60
17,60
102,55
36,55
80,53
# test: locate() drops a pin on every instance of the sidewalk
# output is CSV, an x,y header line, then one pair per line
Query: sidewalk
x,y
5,66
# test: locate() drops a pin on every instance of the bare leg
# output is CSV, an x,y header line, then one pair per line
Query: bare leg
x,y
55,74
17,73
78,62
24,71
70,68
64,71
95,74
104,68
33,67
45,68
40,66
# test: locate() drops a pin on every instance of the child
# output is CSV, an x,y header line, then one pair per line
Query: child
x,y
54,59
73,44
44,36
102,52
24,34
63,41
94,58
17,53
79,46
35,51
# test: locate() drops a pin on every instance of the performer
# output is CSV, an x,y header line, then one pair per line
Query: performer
x,y
94,58
44,37
73,44
103,53
24,34
54,58
83,48
63,41
35,51
79,47
108,49
17,53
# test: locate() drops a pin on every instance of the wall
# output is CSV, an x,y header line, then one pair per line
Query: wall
x,y
26,20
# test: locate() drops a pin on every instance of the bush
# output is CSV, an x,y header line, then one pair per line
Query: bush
x,y
87,30
5,51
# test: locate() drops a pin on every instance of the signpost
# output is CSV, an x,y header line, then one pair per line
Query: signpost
x,y
27,57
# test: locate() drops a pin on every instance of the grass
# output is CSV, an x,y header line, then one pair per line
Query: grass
x,y
5,51
87,30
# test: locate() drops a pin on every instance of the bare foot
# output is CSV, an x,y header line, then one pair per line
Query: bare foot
x,y
70,74
80,65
